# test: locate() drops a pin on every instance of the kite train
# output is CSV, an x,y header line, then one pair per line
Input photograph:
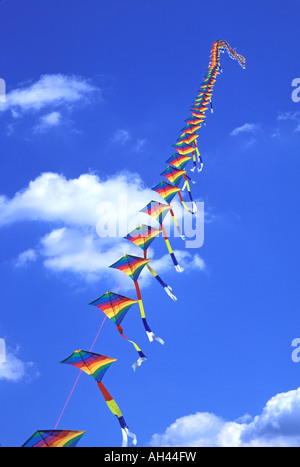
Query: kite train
x,y
116,306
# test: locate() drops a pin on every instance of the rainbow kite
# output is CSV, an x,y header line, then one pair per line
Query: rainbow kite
x,y
115,307
174,176
158,211
143,236
168,192
54,439
96,366
133,266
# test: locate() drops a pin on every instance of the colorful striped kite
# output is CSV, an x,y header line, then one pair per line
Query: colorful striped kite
x,y
168,192
54,439
158,211
143,236
96,366
133,266
174,176
115,307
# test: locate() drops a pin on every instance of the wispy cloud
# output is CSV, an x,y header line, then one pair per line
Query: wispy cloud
x,y
290,117
276,426
121,137
53,119
25,258
140,145
246,128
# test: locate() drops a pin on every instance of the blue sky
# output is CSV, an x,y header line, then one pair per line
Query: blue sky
x,y
97,93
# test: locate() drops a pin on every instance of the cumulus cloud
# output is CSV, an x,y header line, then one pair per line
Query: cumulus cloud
x,y
83,201
15,370
88,218
50,90
53,95
276,426
246,128
81,252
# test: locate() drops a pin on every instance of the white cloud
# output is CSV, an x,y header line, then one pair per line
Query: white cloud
x,y
247,128
277,426
25,258
53,119
51,90
87,218
186,260
81,252
15,370
83,201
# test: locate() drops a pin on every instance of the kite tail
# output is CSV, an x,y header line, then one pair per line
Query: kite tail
x,y
176,224
199,157
166,287
190,195
114,408
150,334
183,203
194,162
175,262
142,356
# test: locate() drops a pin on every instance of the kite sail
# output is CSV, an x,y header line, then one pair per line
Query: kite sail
x,y
175,176
54,439
133,266
115,307
168,193
143,236
96,366
158,211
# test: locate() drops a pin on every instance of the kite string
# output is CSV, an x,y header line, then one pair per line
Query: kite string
x,y
77,379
